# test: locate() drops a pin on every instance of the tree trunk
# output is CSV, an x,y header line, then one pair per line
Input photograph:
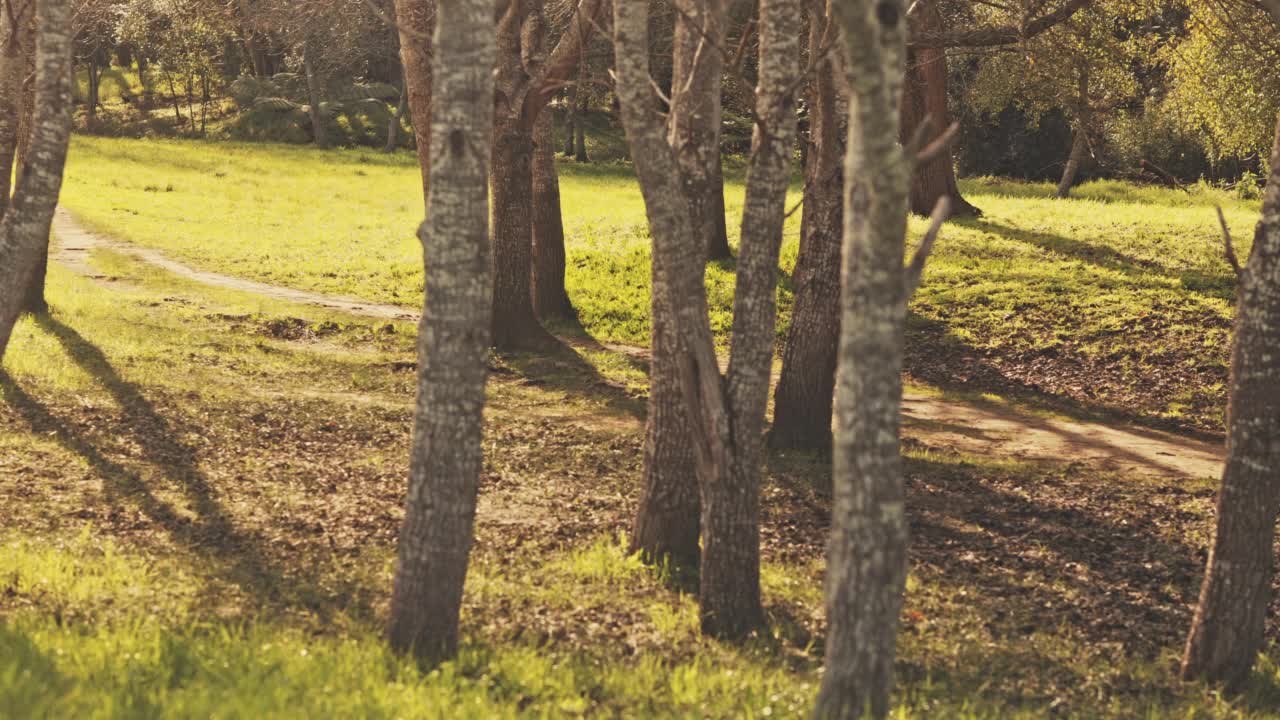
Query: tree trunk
x,y
1079,148
515,325
453,342
24,230
314,93
415,20
580,133
92,101
549,297
725,413
696,116
34,301
1080,143
570,119
802,400
393,125
1227,631
925,96
667,525
867,555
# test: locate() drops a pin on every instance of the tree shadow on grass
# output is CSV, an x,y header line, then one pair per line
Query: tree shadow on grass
x,y
207,529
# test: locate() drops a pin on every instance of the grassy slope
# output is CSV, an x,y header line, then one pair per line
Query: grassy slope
x,y
203,489
1117,299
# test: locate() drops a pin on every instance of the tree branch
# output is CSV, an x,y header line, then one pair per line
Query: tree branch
x,y
915,271
1000,34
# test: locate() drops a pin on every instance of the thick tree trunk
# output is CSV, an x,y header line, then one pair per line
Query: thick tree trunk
x,y
453,342
696,115
725,414
415,20
34,301
515,325
802,400
24,230
867,555
549,297
318,131
925,96
523,78
1227,631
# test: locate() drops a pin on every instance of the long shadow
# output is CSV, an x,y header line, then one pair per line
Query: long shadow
x,y
1099,255
242,559
934,355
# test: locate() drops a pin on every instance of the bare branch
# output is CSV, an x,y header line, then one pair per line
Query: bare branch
x,y
915,271
1226,242
1000,34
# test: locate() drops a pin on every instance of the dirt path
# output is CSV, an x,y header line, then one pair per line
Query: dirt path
x,y
984,429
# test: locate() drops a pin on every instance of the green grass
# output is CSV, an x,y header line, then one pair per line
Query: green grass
x,y
1117,299
203,488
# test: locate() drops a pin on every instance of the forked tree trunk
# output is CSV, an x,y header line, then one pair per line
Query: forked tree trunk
x,y
725,413
867,555
802,400
318,131
415,20
925,96
667,525
696,115
24,231
453,341
1228,628
549,297
524,80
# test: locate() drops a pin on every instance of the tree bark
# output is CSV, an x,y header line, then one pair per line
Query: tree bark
x,y
725,413
580,132
1080,141
393,125
453,341
867,555
34,302
24,230
549,297
415,21
1227,631
314,93
696,115
802,400
925,96
526,78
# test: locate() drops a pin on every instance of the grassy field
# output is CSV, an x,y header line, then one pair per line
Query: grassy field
x,y
202,492
1117,300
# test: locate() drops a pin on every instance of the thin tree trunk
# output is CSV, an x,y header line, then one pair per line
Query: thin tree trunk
x,y
1079,147
453,341
24,231
1228,628
318,130
925,96
802,400
1080,143
696,115
393,125
549,297
580,132
415,20
570,119
867,555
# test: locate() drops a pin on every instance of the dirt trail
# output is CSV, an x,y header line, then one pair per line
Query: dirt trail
x,y
985,429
